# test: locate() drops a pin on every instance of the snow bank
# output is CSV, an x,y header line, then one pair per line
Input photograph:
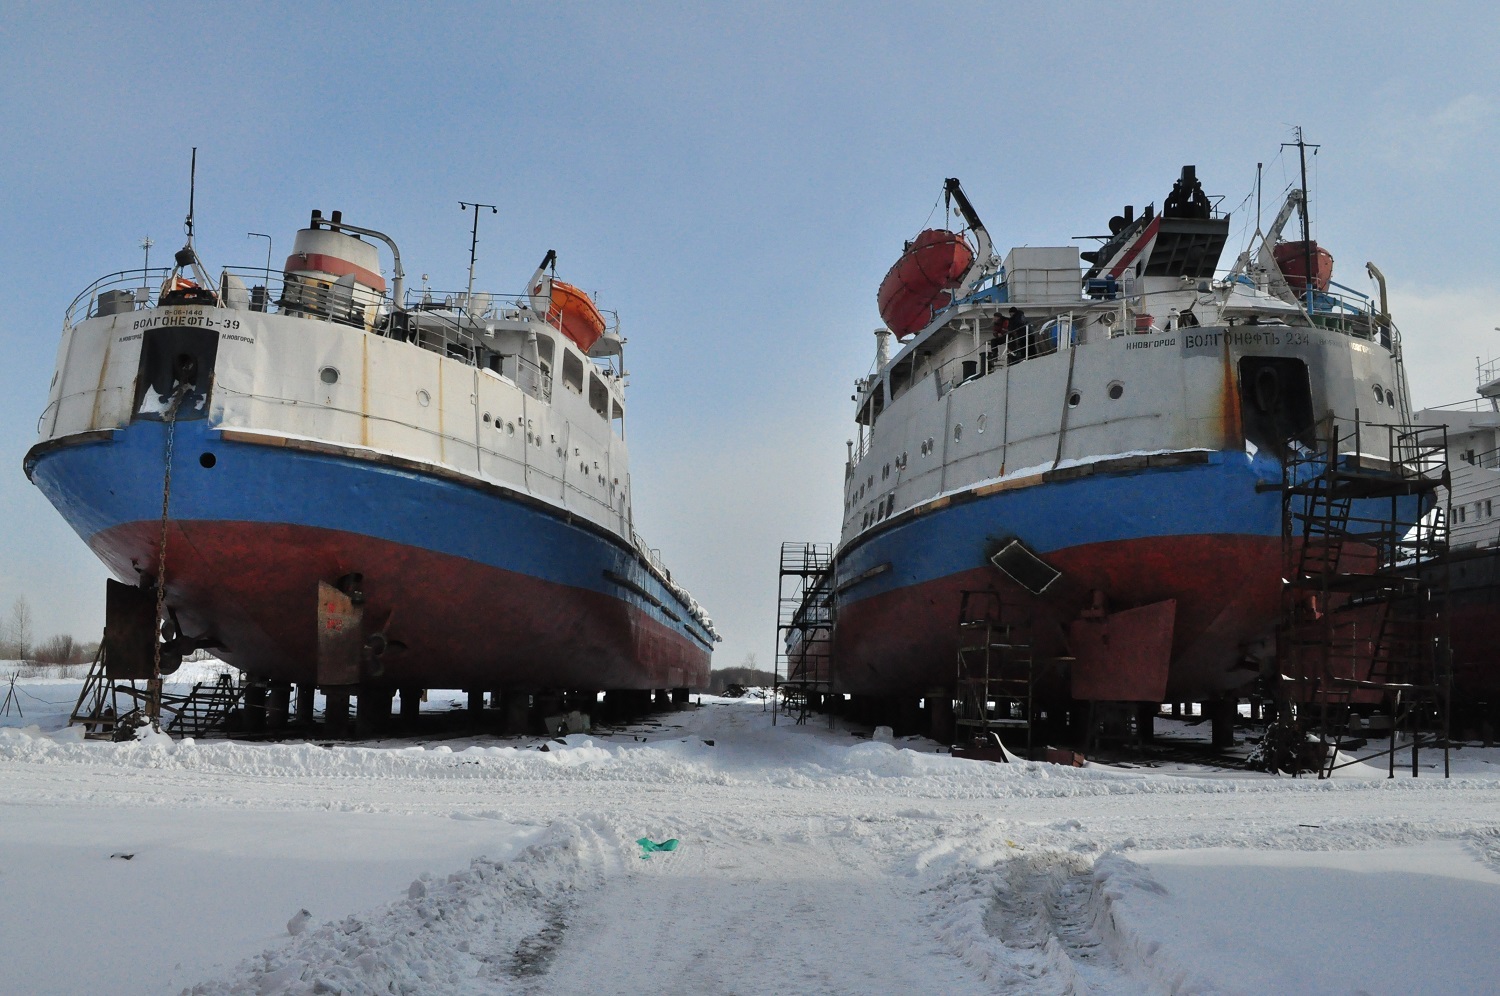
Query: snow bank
x,y
760,758
917,870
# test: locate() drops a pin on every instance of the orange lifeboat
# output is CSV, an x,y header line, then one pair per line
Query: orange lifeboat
x,y
570,310
923,279
1292,258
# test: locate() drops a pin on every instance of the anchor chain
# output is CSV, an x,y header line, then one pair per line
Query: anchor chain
x,y
154,703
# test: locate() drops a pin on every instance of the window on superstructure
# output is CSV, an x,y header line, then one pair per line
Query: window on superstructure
x,y
572,371
544,362
617,419
877,402
901,378
598,396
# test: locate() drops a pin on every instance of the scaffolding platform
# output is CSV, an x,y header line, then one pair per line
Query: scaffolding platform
x,y
804,630
1363,621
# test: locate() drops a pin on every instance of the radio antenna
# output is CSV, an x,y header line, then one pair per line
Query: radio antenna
x,y
192,191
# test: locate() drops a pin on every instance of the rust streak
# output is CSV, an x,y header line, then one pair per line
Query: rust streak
x,y
1229,404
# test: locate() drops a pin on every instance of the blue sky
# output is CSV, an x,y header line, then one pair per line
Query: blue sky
x,y
734,179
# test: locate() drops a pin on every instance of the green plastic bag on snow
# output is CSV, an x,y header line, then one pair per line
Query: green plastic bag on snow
x,y
648,845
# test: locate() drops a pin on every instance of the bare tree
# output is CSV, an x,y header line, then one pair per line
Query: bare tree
x,y
18,629
60,649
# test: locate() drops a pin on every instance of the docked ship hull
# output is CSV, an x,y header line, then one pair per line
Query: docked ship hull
x,y
1474,612
1108,450
481,588
1199,534
367,488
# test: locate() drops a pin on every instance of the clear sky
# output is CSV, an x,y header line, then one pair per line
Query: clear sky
x,y
735,179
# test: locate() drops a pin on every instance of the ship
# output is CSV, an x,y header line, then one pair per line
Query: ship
x,y
1471,569
342,483
1100,439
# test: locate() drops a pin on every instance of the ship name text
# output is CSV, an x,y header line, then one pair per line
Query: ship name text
x,y
1212,342
189,319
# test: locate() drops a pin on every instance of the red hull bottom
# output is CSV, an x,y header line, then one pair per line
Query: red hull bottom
x,y
463,624
1227,592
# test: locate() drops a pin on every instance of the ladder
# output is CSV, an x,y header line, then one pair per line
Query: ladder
x,y
205,708
996,672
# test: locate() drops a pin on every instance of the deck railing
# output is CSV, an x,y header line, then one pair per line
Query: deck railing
x,y
444,322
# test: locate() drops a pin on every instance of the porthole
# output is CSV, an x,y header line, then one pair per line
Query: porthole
x,y
328,375
207,460
1116,391
1074,398
979,424
1390,399
510,428
958,432
487,418
1379,394
424,399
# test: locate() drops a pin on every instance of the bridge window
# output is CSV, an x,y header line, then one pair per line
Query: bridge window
x,y
598,396
572,371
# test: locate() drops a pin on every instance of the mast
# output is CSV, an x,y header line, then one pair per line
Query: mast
x,y
1307,254
473,243
192,192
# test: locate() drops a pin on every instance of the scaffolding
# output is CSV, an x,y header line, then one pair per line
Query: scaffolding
x,y
111,708
804,630
996,673
1363,624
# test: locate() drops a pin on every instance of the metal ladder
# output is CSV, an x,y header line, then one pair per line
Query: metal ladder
x,y
996,672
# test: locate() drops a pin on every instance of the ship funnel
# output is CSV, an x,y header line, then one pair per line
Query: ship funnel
x,y
882,347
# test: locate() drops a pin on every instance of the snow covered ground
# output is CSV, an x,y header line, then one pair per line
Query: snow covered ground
x,y
810,861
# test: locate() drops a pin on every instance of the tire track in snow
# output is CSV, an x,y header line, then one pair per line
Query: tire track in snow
x,y
1051,906
1043,922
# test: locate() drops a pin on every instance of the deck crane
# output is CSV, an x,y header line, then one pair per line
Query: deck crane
x,y
985,260
1296,200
